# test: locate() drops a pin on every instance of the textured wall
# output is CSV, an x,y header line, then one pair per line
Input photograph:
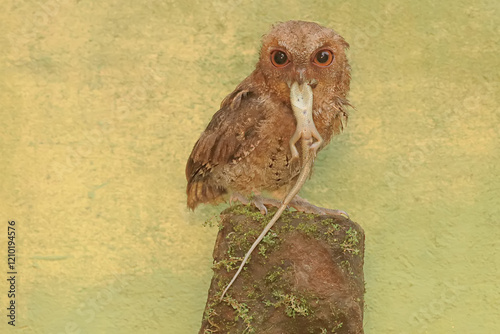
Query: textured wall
x,y
101,103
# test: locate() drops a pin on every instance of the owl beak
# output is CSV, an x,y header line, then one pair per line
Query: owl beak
x,y
301,75
300,78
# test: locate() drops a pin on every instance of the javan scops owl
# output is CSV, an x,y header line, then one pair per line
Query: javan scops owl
x,y
244,151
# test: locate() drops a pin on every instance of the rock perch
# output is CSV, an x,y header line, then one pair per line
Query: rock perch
x,y
306,276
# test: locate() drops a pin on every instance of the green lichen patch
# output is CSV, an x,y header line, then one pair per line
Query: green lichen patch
x,y
346,266
336,326
230,264
274,274
214,221
270,240
351,242
248,211
308,228
293,305
242,312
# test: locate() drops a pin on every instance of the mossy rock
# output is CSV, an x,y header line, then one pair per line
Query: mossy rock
x,y
306,276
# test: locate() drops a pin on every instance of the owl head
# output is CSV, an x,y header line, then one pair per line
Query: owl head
x,y
305,52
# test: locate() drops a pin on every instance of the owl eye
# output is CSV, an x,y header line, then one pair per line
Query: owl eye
x,y
323,58
279,58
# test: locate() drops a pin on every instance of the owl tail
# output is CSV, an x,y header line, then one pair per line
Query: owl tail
x,y
200,192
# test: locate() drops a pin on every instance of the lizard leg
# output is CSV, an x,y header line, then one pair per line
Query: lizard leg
x,y
295,138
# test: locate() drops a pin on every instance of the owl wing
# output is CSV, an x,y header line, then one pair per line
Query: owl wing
x,y
231,135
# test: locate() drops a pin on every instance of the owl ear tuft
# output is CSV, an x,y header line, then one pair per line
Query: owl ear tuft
x,y
341,40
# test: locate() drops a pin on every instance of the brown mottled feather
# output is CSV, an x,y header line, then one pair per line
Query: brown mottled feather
x,y
227,133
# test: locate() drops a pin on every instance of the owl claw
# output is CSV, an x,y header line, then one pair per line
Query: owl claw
x,y
255,200
303,205
262,208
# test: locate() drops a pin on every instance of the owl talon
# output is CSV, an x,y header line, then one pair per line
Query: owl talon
x,y
254,200
257,202
303,205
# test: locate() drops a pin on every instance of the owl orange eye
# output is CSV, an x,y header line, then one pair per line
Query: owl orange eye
x,y
323,58
279,58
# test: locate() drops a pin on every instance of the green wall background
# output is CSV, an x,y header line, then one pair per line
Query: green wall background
x,y
101,103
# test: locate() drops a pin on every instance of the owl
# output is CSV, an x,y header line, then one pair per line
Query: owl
x,y
244,153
